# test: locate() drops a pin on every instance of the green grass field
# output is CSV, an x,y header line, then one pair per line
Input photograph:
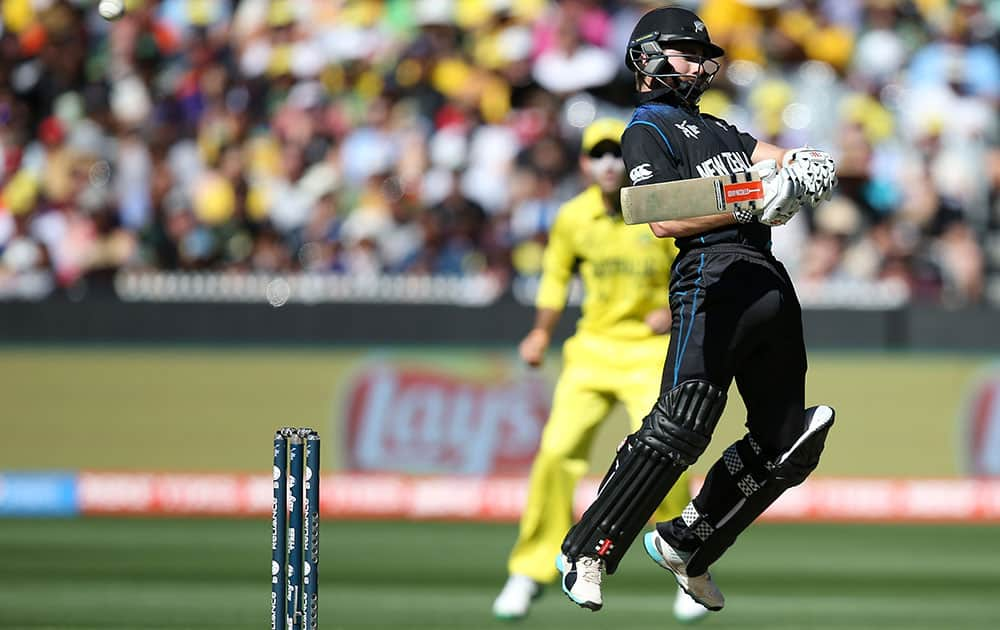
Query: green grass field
x,y
135,574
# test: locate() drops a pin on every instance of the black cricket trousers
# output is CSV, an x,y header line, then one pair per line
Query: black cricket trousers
x,y
736,315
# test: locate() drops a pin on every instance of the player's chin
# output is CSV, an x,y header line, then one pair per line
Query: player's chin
x,y
691,89
610,182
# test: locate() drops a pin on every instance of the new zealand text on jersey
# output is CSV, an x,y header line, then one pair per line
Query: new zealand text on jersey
x,y
726,163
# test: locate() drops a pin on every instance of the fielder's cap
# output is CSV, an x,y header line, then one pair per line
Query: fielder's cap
x,y
280,13
602,129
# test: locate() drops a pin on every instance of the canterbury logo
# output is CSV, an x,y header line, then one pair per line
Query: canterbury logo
x,y
640,173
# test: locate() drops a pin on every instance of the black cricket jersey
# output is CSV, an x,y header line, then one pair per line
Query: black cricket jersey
x,y
664,143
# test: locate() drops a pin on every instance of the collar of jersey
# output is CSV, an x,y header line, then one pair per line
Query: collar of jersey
x,y
665,96
598,207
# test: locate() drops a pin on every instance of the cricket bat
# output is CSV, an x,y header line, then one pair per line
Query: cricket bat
x,y
689,198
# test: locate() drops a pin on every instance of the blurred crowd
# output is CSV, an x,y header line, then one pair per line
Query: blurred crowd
x,y
440,136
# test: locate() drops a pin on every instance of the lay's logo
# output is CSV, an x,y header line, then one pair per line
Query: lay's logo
x,y
422,421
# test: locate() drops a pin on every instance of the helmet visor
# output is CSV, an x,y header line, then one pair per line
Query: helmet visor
x,y
690,83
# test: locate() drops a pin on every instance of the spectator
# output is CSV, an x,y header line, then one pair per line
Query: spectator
x,y
432,136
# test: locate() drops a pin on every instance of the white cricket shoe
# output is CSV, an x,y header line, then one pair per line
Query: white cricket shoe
x,y
701,588
686,610
581,580
515,599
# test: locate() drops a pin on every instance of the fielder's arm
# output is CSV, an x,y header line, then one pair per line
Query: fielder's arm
x,y
532,348
553,289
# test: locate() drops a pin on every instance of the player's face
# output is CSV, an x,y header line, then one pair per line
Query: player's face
x,y
605,167
690,61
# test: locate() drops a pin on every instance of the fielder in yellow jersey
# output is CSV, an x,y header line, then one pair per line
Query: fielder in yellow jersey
x,y
616,355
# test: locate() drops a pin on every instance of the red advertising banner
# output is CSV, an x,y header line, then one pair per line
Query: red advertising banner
x,y
463,498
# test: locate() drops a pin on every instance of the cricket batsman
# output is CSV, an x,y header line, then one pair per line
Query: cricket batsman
x,y
616,355
735,318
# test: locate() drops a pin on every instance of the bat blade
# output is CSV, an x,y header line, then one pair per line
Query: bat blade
x,y
689,198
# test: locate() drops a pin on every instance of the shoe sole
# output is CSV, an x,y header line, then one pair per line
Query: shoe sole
x,y
589,605
657,557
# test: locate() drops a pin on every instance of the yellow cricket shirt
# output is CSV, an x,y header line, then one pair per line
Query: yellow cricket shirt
x,y
625,268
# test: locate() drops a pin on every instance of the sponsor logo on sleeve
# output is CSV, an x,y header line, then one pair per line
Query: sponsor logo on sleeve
x,y
689,130
641,173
